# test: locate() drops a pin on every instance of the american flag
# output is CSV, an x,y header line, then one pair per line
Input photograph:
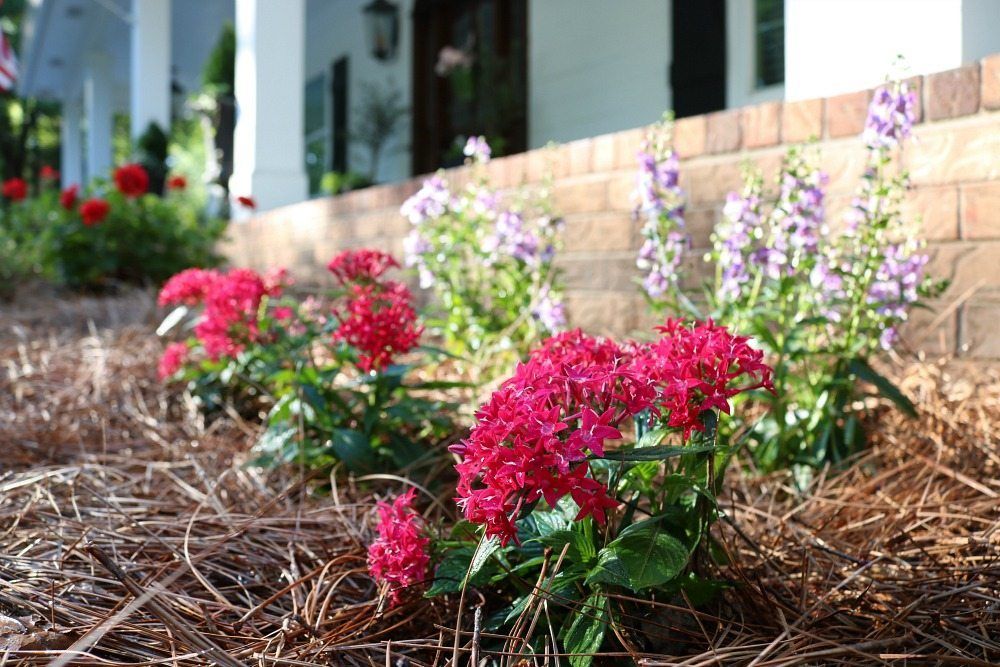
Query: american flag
x,y
8,64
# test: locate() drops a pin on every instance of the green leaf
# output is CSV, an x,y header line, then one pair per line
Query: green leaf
x,y
450,573
353,448
655,453
865,372
581,550
645,557
586,634
487,547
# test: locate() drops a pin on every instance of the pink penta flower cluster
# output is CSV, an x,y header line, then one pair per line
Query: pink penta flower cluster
x,y
533,438
365,265
174,357
398,558
231,302
378,321
377,317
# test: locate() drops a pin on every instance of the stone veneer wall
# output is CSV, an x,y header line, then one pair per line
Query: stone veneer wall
x,y
953,159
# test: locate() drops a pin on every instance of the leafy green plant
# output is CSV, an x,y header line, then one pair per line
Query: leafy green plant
x,y
557,517
821,304
489,261
329,375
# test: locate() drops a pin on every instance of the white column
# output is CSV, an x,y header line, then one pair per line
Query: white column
x,y
97,98
149,78
70,144
268,151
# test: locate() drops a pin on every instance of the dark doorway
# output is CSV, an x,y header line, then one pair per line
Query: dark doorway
x,y
339,137
698,70
469,78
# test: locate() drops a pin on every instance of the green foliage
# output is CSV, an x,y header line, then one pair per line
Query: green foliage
x,y
335,182
318,407
656,546
141,241
151,151
495,300
219,72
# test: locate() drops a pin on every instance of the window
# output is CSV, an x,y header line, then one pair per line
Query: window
x,y
317,132
769,35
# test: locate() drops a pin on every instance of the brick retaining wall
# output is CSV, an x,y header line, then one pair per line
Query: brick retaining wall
x,y
953,158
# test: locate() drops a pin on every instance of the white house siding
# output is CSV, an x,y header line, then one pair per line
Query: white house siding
x,y
837,46
596,66
980,29
335,28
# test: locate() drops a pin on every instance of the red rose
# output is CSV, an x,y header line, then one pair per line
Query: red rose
x,y
247,201
67,198
132,180
94,211
47,173
15,189
177,183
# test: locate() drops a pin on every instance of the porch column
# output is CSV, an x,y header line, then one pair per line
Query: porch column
x,y
70,144
268,150
97,97
149,78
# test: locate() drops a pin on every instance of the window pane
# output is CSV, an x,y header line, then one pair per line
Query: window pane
x,y
315,115
770,37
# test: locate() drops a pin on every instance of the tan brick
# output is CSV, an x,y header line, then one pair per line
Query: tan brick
x,y
707,182
601,270
970,267
953,93
990,91
627,144
689,136
581,195
762,125
621,190
802,120
700,224
723,131
955,152
604,153
979,318
579,154
981,211
845,114
931,330
936,211
602,312
597,232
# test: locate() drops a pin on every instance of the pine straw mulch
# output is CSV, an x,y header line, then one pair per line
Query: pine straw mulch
x,y
131,533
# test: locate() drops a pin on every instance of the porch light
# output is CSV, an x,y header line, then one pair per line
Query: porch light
x,y
382,19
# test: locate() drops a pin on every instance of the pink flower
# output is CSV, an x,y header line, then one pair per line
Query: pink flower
x,y
188,287
132,180
47,173
533,438
398,558
378,320
363,265
172,360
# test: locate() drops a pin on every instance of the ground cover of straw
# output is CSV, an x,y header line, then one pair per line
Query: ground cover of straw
x,y
132,532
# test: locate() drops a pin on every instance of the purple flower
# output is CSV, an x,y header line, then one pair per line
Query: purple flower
x,y
897,282
550,312
431,201
734,238
478,149
890,117
661,203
